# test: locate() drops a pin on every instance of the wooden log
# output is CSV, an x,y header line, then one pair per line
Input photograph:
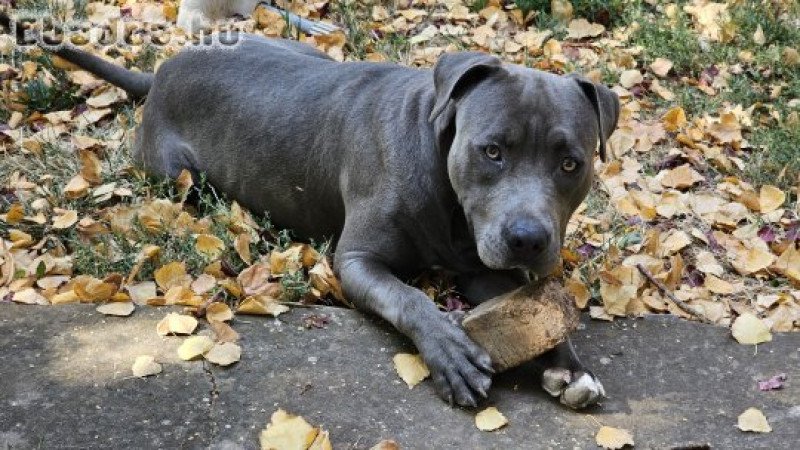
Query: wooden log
x,y
524,323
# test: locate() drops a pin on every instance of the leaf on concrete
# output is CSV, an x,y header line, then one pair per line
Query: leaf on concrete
x,y
145,365
750,330
261,305
195,347
219,311
175,323
410,368
122,309
490,419
223,332
386,444
287,431
613,438
224,354
753,420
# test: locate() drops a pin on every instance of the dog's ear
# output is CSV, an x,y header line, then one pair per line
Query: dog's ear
x,y
455,73
606,107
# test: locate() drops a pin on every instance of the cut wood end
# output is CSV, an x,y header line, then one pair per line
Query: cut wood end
x,y
522,324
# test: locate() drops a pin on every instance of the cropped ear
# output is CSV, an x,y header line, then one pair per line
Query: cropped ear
x,y
455,73
606,108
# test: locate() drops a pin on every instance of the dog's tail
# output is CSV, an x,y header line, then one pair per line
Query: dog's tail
x,y
136,84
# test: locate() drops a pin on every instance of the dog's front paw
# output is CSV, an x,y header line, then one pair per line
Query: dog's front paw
x,y
461,370
575,389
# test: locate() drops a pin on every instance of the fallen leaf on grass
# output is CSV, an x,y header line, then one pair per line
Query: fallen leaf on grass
x,y
772,383
65,220
490,419
613,438
122,309
195,347
770,198
224,354
209,245
749,329
582,28
753,420
410,368
630,78
661,67
287,431
172,274
175,323
145,365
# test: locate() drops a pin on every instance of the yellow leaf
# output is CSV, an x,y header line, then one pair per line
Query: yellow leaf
x,y
789,264
94,290
261,305
65,220
219,311
630,78
224,354
287,432
613,438
758,36
20,239
175,323
255,280
15,214
209,245
184,184
172,274
717,285
141,292
321,442
770,198
242,246
223,332
490,419
661,67
674,119
750,330
753,420
144,366
182,295
194,347
121,309
752,260
582,28
410,368
681,177
727,129
77,187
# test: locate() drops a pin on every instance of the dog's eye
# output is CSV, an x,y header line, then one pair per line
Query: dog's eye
x,y
493,152
569,164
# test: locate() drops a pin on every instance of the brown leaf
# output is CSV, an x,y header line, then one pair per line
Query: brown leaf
x,y
613,438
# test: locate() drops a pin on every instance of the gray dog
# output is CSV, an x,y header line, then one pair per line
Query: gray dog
x,y
475,167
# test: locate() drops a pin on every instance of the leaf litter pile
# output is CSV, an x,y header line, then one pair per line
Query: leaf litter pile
x,y
695,214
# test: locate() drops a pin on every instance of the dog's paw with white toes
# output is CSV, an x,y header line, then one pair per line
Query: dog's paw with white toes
x,y
574,389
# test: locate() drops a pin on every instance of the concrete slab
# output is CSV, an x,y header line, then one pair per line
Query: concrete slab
x,y
66,383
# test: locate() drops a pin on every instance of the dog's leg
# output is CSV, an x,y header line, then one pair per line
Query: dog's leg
x,y
566,377
461,370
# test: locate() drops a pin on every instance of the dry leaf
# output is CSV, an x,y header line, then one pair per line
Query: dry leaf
x,y
674,119
630,78
209,245
681,177
224,354
753,420
122,309
490,419
750,330
219,311
175,323
752,260
171,275
77,187
386,444
67,219
141,292
582,28
613,438
223,332
145,366
661,67
194,347
287,431
410,368
261,305
770,198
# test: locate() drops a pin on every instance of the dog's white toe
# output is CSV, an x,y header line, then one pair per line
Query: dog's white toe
x,y
576,390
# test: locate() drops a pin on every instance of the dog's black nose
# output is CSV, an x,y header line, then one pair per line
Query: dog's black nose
x,y
526,237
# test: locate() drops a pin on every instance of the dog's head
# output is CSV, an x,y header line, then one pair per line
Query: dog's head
x,y
520,146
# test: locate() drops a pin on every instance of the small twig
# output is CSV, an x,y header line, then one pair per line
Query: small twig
x,y
678,302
